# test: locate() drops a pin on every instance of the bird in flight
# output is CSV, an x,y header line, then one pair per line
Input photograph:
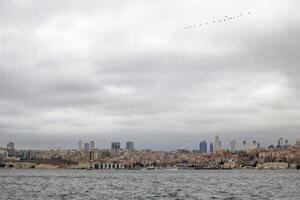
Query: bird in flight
x,y
220,20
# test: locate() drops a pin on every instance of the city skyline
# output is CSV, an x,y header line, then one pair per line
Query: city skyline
x,y
204,146
142,99
119,71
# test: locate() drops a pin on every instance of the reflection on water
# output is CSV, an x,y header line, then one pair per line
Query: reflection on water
x,y
68,184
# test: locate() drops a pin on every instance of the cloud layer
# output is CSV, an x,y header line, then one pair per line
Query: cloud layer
x,y
119,70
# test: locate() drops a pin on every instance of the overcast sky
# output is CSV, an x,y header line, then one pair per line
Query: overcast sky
x,y
128,70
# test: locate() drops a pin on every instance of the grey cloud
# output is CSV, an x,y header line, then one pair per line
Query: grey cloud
x,y
113,70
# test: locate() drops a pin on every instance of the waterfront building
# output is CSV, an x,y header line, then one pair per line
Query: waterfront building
x,y
25,154
91,155
115,148
130,145
211,147
3,154
11,145
217,145
275,165
203,147
92,145
86,146
233,145
80,145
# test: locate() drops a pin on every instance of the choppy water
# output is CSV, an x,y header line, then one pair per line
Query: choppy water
x,y
67,184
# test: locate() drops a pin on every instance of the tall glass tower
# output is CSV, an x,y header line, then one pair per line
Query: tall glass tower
x,y
203,146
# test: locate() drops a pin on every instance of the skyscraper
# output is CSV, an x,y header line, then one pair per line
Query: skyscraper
x,y
286,142
203,146
130,145
86,146
92,145
217,145
80,145
211,147
280,143
115,147
233,146
254,145
11,145
245,146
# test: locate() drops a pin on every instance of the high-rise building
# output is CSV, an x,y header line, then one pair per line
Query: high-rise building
x,y
286,142
92,145
115,148
203,146
211,147
245,146
217,145
80,145
254,145
11,145
86,146
280,143
232,145
130,145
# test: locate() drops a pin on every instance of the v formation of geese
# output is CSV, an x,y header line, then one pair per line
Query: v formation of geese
x,y
220,20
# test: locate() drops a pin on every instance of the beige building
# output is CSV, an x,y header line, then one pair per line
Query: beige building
x,y
273,165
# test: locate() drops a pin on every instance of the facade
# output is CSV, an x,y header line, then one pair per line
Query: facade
x,y
203,147
115,148
217,145
211,147
254,145
86,146
233,146
92,145
130,145
258,145
80,145
90,155
280,143
274,165
11,145
3,154
245,146
26,154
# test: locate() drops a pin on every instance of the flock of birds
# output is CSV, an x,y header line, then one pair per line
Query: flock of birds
x,y
225,19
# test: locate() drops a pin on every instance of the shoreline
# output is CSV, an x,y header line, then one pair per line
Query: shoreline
x,y
145,169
